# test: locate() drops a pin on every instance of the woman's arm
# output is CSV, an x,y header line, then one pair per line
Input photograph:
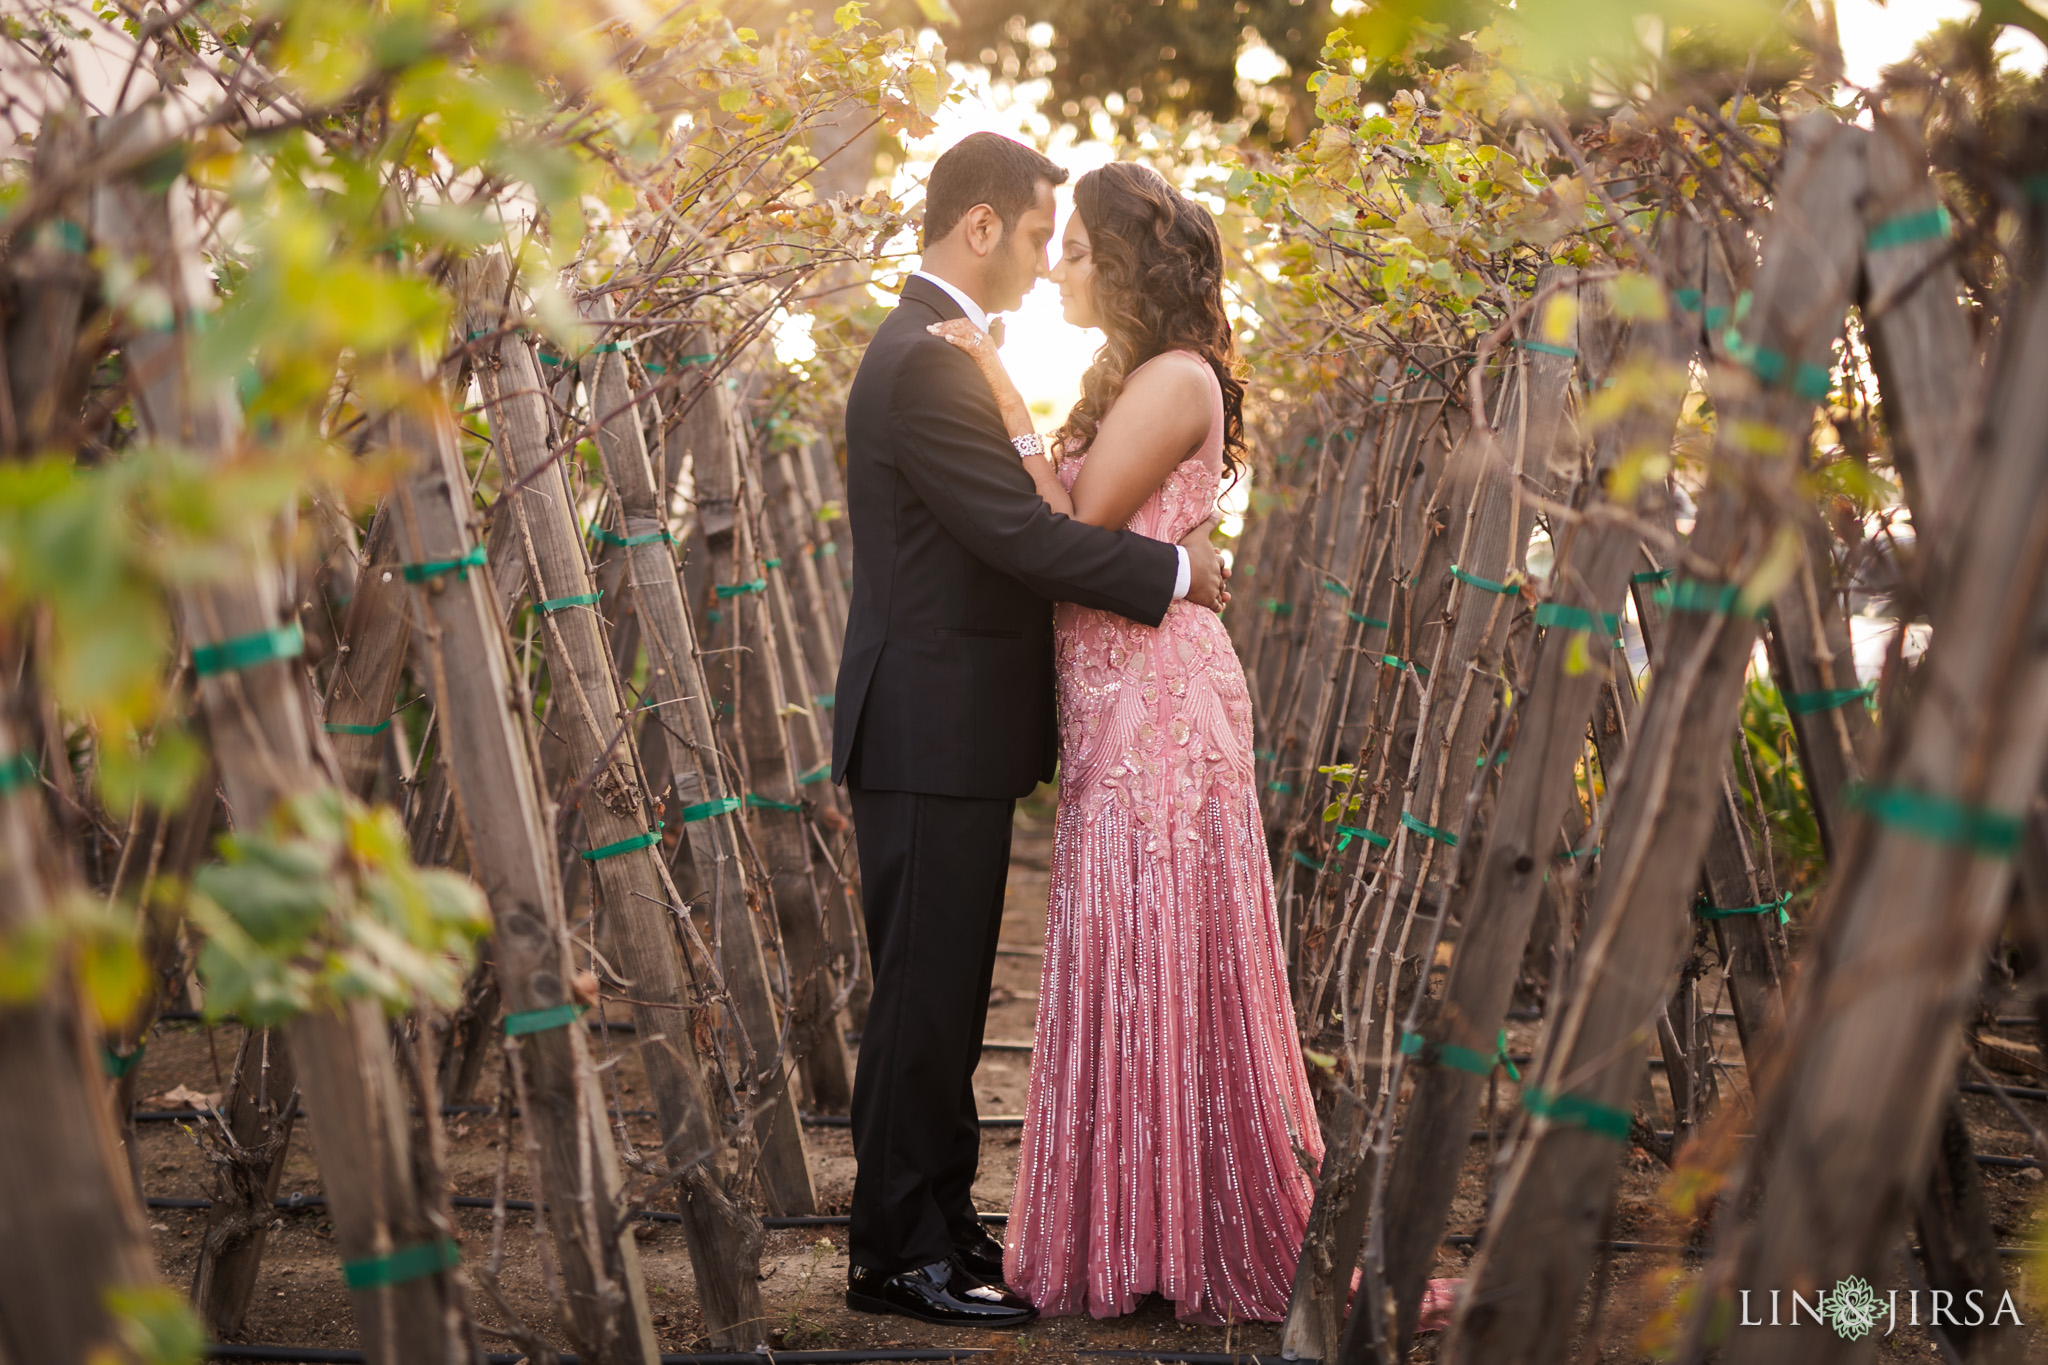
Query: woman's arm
x,y
1161,418
1017,419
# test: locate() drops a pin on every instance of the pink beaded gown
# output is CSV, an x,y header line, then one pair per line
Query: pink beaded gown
x,y
1169,1117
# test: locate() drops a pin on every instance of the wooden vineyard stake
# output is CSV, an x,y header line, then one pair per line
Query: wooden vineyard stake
x,y
1497,906
1577,1100
672,661
1873,1036
251,696
637,927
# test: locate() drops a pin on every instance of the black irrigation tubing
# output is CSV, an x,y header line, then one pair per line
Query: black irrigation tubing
x,y
300,1202
321,1355
1467,1239
318,1355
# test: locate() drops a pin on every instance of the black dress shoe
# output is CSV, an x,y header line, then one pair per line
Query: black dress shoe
x,y
941,1292
981,1255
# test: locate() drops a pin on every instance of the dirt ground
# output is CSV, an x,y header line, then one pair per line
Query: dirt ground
x,y
301,1302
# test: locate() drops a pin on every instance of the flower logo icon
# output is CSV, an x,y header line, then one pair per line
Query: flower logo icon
x,y
1852,1308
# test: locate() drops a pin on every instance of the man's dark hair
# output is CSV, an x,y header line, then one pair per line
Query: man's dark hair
x,y
984,168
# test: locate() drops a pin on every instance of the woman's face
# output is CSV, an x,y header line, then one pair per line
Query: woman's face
x,y
1074,273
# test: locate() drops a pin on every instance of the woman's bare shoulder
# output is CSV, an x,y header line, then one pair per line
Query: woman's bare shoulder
x,y
1170,381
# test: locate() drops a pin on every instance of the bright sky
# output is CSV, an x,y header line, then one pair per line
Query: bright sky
x,y
1874,36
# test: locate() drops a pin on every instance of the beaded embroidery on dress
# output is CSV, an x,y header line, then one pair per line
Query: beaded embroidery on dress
x,y
1168,1113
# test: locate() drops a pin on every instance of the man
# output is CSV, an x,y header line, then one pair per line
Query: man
x,y
945,717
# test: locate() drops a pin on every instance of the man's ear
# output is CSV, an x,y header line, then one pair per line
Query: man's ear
x,y
982,229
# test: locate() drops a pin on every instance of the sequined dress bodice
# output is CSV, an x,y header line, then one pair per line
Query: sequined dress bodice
x,y
1153,718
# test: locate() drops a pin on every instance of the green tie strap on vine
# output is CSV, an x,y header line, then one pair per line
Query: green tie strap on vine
x,y
705,810
245,652
628,542
1365,620
1777,907
609,348
1568,617
1266,755
1346,833
116,1065
1806,703
1279,608
1332,585
405,1264
830,547
1928,225
1805,379
434,568
1393,661
1571,853
815,775
1941,819
581,599
1688,299
336,727
1466,1059
1650,576
550,358
756,801
1545,348
736,589
1498,759
1485,584
1563,1107
523,1022
771,563
823,699
626,845
1310,863
16,770
1689,594
714,616
1283,788
704,359
1442,836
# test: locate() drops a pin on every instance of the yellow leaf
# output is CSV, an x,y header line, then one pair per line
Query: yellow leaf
x,y
1637,297
111,970
1779,563
1560,319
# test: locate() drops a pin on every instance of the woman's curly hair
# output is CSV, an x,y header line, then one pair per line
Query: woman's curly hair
x,y
1158,287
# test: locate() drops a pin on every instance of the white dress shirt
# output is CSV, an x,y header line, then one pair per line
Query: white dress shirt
x,y
978,315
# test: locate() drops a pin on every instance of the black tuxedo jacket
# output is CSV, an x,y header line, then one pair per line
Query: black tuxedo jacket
x,y
945,682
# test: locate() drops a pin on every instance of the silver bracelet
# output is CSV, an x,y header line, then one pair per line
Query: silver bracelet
x,y
1027,446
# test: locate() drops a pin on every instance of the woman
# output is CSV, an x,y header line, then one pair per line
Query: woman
x,y
1169,1134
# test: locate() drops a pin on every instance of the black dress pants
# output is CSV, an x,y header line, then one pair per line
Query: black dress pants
x,y
932,871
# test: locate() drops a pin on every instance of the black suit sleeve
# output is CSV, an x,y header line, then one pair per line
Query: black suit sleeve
x,y
953,455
